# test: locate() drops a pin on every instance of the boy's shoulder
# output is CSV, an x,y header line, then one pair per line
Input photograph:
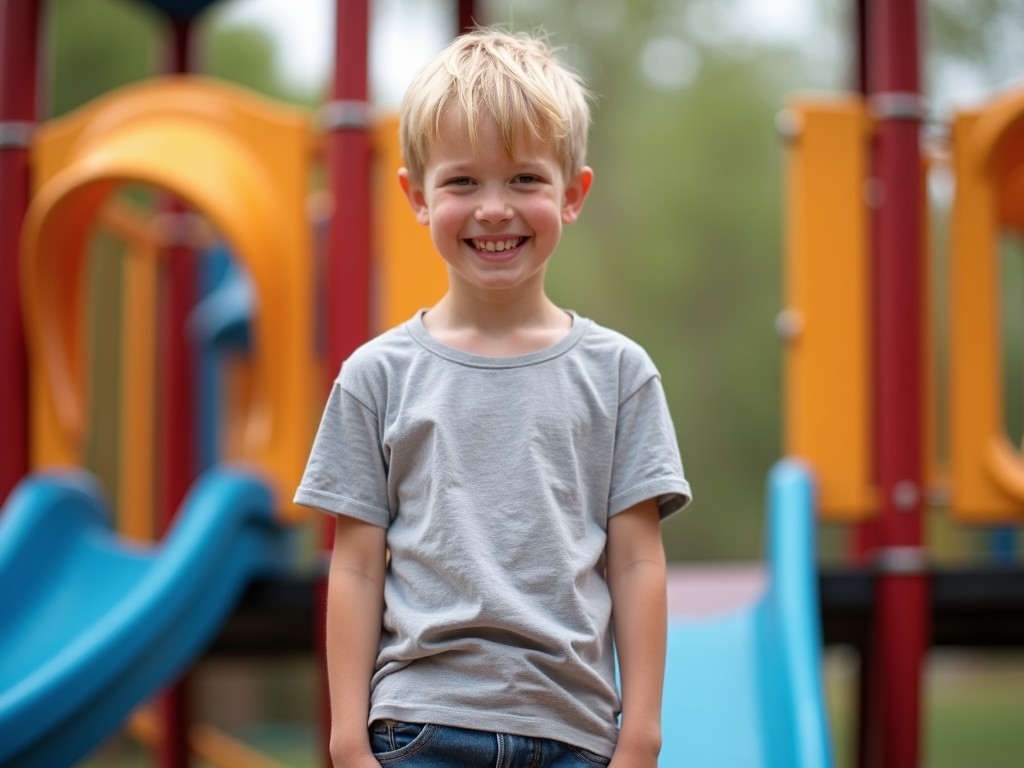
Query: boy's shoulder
x,y
612,358
607,344
393,341
604,337
379,357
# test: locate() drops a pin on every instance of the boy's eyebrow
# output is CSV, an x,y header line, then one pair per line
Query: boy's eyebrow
x,y
459,167
538,158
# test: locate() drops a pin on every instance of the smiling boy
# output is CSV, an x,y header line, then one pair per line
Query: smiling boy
x,y
513,458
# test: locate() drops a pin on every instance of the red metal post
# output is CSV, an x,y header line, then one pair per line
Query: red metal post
x,y
19,35
468,17
348,121
347,304
900,633
177,406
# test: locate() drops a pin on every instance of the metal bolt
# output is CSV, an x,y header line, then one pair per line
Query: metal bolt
x,y
788,324
788,124
905,495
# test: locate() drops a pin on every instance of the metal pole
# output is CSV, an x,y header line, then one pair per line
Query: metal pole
x,y
19,35
900,629
347,119
347,303
177,406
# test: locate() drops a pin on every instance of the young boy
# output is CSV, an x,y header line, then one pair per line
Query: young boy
x,y
513,458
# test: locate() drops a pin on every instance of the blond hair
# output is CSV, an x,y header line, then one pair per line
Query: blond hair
x,y
516,79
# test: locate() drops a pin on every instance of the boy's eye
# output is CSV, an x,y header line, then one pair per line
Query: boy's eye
x,y
525,178
460,181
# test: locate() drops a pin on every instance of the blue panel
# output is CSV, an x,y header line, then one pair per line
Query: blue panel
x,y
744,688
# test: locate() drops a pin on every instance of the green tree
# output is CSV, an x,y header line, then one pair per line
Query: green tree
x,y
94,46
246,55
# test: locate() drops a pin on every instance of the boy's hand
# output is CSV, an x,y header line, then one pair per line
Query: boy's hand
x,y
636,750
362,760
625,757
353,755
631,762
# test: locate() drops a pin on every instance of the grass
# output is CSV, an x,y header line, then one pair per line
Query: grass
x,y
973,713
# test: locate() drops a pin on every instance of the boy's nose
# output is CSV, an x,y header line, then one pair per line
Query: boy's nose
x,y
493,207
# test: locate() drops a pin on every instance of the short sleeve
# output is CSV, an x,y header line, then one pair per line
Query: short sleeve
x,y
646,462
347,472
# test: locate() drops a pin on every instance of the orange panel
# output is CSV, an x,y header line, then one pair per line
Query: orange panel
x,y
826,323
410,273
136,478
987,471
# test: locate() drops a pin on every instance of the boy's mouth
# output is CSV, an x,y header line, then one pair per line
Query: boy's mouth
x,y
496,246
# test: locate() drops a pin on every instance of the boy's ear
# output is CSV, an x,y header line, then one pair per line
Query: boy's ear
x,y
414,194
575,193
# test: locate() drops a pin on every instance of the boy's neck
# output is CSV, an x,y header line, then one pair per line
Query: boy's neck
x,y
497,329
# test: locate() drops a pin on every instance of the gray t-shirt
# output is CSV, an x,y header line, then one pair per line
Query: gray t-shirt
x,y
495,479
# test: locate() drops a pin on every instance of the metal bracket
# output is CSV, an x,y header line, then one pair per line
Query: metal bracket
x,y
901,561
898,105
16,134
345,114
788,125
905,495
788,324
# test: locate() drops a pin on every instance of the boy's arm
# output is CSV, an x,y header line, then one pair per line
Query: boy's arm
x,y
636,578
355,606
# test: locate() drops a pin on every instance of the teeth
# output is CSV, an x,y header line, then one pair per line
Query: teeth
x,y
497,245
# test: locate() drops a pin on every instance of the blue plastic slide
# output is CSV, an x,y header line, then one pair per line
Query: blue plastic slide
x,y
91,625
743,689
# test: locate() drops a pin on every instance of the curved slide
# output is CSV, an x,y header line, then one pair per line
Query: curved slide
x,y
744,687
91,625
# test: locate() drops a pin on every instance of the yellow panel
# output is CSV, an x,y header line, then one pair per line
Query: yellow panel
x,y
136,495
987,471
410,274
826,321
238,158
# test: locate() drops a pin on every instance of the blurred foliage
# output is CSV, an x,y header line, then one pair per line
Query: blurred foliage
x,y
982,39
94,46
680,245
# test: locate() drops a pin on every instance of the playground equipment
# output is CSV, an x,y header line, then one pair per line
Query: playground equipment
x,y
143,616
865,403
743,688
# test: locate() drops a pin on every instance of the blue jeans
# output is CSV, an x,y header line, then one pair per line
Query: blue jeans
x,y
413,745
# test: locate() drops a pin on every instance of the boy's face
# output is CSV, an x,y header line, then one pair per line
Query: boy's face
x,y
494,219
